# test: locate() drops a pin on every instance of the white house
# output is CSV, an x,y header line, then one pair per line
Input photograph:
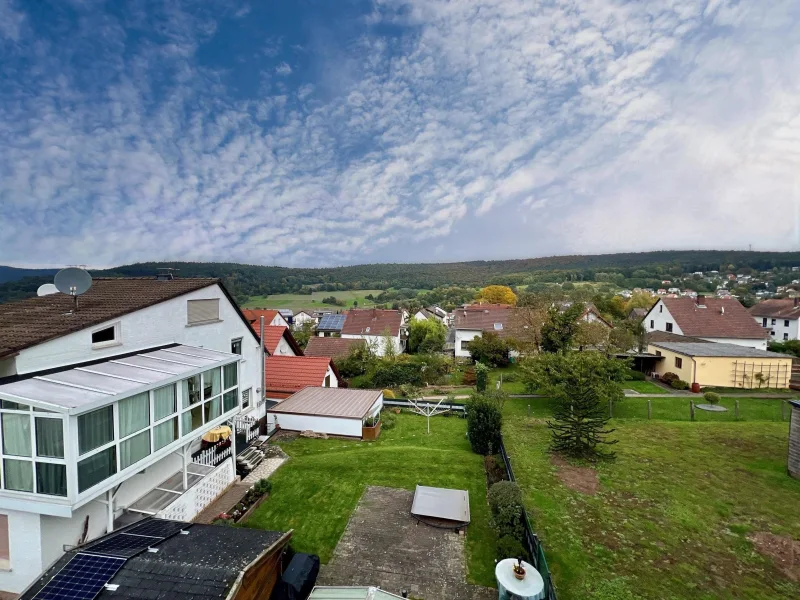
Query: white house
x,y
271,317
472,321
432,313
379,328
101,404
302,317
712,319
779,317
341,412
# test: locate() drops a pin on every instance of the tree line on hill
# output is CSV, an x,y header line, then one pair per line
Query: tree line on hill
x,y
631,269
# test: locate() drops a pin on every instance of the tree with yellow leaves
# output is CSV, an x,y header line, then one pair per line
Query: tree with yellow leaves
x,y
497,294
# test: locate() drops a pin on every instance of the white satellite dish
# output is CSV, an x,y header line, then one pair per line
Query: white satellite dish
x,y
73,281
46,289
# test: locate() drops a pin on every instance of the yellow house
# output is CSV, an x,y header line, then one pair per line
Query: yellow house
x,y
722,365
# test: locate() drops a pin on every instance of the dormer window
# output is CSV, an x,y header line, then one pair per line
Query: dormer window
x,y
106,336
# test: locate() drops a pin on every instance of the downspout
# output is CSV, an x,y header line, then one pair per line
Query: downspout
x,y
263,365
694,370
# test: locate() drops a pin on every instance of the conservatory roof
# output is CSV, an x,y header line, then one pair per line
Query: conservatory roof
x,y
78,389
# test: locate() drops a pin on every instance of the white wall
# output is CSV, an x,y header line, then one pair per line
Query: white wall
x,y
329,425
25,551
301,318
164,323
284,349
465,335
660,316
377,342
779,328
759,344
60,531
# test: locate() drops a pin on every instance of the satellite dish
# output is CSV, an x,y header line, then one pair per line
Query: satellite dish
x,y
46,289
73,281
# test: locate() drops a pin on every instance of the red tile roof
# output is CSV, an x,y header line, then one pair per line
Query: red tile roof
x,y
721,318
372,321
289,374
331,346
273,335
254,315
484,318
786,308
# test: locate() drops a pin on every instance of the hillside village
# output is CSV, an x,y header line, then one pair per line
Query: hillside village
x,y
152,403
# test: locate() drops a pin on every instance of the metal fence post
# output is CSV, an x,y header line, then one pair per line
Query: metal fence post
x,y
736,408
649,409
529,410
610,409
691,410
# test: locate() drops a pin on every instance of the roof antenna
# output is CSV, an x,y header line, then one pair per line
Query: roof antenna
x,y
73,281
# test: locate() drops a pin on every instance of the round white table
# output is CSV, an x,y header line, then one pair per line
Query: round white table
x,y
511,588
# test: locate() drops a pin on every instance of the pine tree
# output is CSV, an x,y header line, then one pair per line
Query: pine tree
x,y
579,424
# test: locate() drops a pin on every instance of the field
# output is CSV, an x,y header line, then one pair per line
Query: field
x,y
315,492
686,510
314,300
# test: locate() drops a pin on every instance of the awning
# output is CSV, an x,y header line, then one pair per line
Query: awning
x,y
77,389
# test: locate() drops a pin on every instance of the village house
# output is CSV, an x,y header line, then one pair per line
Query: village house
x,y
778,317
712,319
271,317
105,399
380,329
473,320
333,347
434,313
286,375
304,316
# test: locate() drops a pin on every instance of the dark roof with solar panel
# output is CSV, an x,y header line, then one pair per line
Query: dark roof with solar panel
x,y
331,323
175,560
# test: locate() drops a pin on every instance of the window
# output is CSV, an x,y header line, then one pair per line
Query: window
x,y
97,468
202,311
165,433
192,419
229,399
669,327
785,336
678,362
211,384
95,429
164,402
236,346
658,352
18,475
213,409
191,391
786,322
764,322
229,376
107,336
245,398
464,345
49,437
327,381
498,326
134,449
134,414
5,546
51,479
774,321
772,333
16,435
652,324
660,308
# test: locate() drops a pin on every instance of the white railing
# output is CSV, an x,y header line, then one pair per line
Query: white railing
x,y
252,434
210,457
192,502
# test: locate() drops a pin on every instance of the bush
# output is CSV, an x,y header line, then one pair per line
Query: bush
x,y
669,377
505,503
679,384
397,373
263,487
357,362
388,394
711,398
508,547
469,377
484,424
388,420
489,349
481,377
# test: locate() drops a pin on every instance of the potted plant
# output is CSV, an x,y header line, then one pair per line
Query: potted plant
x,y
519,570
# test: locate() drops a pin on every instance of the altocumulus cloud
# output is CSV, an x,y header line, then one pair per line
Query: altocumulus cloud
x,y
395,130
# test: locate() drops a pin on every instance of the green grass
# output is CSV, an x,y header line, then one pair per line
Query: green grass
x,y
510,387
673,512
300,301
315,492
644,387
737,391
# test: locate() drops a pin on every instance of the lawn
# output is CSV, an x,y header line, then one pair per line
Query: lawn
x,y
644,387
315,492
314,300
673,512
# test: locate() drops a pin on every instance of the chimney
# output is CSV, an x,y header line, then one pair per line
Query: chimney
x,y
796,301
700,300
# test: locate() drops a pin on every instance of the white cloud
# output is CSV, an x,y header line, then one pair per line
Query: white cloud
x,y
666,123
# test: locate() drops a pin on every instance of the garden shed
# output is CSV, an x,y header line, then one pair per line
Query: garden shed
x,y
333,411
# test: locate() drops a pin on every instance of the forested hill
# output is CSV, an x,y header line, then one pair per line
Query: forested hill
x,y
250,280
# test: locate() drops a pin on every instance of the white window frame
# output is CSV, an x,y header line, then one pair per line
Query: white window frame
x,y
117,341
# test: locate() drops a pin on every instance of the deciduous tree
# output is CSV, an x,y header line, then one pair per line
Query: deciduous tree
x,y
497,294
426,336
560,327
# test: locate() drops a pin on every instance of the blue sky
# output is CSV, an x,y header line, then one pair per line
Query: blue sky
x,y
314,132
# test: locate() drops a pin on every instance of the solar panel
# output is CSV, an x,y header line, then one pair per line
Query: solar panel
x,y
123,545
82,578
332,322
158,528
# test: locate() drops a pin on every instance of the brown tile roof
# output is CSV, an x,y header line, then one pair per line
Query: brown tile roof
x,y
332,346
484,317
29,322
329,402
374,319
782,309
289,374
712,321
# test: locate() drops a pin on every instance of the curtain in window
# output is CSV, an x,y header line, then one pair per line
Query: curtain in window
x,y
16,434
134,449
229,400
51,479
49,437
192,419
95,429
213,409
96,468
229,375
13,405
191,391
165,433
134,414
211,384
18,475
163,402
